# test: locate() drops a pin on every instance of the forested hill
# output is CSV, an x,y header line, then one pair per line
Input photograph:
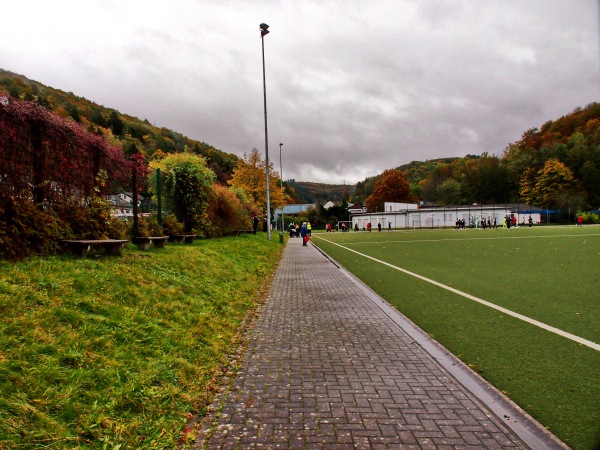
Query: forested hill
x,y
554,166
132,133
320,193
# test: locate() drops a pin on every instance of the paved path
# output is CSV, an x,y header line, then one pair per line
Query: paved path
x,y
330,365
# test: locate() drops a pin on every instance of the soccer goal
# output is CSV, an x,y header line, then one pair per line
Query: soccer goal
x,y
426,222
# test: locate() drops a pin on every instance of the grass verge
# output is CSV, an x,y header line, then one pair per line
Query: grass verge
x,y
116,352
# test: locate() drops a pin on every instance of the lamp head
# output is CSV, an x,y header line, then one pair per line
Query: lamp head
x,y
264,29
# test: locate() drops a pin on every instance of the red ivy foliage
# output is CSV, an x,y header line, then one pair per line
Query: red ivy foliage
x,y
53,177
52,160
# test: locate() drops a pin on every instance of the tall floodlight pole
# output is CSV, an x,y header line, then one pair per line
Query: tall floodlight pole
x,y
283,195
264,30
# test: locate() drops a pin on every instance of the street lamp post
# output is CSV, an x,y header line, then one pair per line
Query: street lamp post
x,y
282,203
264,30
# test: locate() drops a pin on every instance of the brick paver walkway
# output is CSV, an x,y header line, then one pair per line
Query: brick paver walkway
x,y
327,367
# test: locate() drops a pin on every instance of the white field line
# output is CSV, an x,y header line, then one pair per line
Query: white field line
x,y
537,323
416,241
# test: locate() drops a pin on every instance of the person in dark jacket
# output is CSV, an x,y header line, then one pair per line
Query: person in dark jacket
x,y
304,233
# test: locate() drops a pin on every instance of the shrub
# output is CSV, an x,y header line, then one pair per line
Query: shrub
x,y
590,218
148,226
118,228
171,226
26,230
91,222
225,213
187,183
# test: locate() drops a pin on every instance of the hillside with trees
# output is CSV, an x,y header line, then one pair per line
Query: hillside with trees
x,y
556,166
132,134
319,193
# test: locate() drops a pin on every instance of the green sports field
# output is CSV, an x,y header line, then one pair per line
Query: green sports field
x,y
548,274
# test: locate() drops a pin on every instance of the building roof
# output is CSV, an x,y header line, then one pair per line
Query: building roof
x,y
118,202
295,208
356,206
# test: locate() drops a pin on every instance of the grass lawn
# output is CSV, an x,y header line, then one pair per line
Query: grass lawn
x,y
550,274
117,352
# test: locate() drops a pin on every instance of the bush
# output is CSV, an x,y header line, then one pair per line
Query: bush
x,y
91,222
171,226
590,218
26,230
147,226
225,213
187,183
118,228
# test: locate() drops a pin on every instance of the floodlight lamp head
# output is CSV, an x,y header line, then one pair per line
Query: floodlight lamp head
x,y
264,29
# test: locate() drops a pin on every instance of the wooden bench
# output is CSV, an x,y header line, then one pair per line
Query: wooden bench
x,y
144,242
81,247
178,239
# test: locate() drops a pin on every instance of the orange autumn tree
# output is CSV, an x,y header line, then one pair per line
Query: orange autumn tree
x,y
391,187
250,176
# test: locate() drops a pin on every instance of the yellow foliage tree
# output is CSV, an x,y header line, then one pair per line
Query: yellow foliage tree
x,y
552,186
250,176
554,182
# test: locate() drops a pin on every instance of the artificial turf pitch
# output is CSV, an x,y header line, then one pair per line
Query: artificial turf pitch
x,y
549,274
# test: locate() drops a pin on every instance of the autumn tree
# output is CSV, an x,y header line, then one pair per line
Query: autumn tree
x,y
250,176
527,188
187,185
226,212
555,182
552,186
483,180
391,187
450,192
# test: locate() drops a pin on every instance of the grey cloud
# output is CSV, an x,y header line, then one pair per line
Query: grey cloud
x,y
353,87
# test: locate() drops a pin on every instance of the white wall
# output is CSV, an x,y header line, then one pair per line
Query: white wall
x,y
439,217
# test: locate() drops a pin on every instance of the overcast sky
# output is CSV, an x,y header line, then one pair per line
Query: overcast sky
x,y
353,87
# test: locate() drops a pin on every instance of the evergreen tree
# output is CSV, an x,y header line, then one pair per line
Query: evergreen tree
x,y
116,124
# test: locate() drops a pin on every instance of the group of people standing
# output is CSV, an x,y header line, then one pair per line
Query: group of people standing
x,y
368,227
304,231
507,222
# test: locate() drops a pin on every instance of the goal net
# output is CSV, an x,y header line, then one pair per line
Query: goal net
x,y
426,222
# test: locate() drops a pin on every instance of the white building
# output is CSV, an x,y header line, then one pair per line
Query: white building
x,y
410,215
122,205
